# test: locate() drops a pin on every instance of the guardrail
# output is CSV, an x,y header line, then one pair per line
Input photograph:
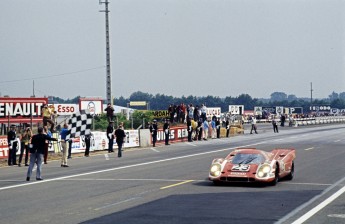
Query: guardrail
x,y
319,120
308,121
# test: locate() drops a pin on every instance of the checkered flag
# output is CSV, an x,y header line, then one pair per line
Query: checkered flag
x,y
79,124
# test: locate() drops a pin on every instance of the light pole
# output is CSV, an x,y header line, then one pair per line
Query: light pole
x,y
311,97
108,74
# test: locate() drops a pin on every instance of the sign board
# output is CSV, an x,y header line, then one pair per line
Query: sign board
x,y
210,111
160,114
257,111
66,109
334,111
296,110
137,103
94,105
322,108
279,110
236,109
20,110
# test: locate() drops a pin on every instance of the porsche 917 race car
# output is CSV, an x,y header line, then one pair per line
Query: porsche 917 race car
x,y
254,165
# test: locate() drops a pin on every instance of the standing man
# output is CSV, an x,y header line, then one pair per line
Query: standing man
x,y
12,144
36,153
110,112
275,126
120,135
166,129
189,129
110,136
227,125
64,144
213,128
46,147
218,127
171,111
47,115
203,110
200,130
253,125
25,140
205,127
70,141
153,131
87,144
282,120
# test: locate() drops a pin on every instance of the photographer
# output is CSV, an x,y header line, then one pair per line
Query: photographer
x,y
25,140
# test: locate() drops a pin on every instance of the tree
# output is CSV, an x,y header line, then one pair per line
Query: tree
x,y
338,103
278,96
291,98
121,101
140,96
333,96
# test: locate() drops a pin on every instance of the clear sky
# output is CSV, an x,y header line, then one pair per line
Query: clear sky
x,y
173,47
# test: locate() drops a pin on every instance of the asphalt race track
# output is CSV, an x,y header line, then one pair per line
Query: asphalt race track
x,y
168,184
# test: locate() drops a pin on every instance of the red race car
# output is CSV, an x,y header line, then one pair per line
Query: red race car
x,y
254,165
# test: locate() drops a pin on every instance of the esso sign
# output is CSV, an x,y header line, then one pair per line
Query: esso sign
x,y
65,109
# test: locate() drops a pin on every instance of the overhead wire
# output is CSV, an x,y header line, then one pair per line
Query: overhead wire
x,y
49,76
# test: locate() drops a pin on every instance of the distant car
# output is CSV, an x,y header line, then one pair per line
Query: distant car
x,y
253,165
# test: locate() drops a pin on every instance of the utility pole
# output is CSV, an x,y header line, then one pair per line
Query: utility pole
x,y
108,74
33,88
311,96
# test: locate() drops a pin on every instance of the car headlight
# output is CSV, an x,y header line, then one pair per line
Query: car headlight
x,y
263,170
215,170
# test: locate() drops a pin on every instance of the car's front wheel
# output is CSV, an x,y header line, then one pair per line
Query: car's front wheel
x,y
217,183
276,177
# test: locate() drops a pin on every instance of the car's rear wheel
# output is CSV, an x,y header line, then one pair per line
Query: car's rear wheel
x,y
292,172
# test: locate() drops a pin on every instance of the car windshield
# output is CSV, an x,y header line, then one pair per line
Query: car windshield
x,y
241,158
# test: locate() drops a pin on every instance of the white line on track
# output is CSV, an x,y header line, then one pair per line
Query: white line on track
x,y
278,140
320,206
309,149
337,140
313,184
153,149
342,216
125,167
191,144
117,203
309,214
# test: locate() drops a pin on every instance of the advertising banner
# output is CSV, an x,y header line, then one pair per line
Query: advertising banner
x,y
161,114
296,110
279,110
210,111
21,110
94,105
4,147
176,134
258,111
236,109
99,141
66,109
321,108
